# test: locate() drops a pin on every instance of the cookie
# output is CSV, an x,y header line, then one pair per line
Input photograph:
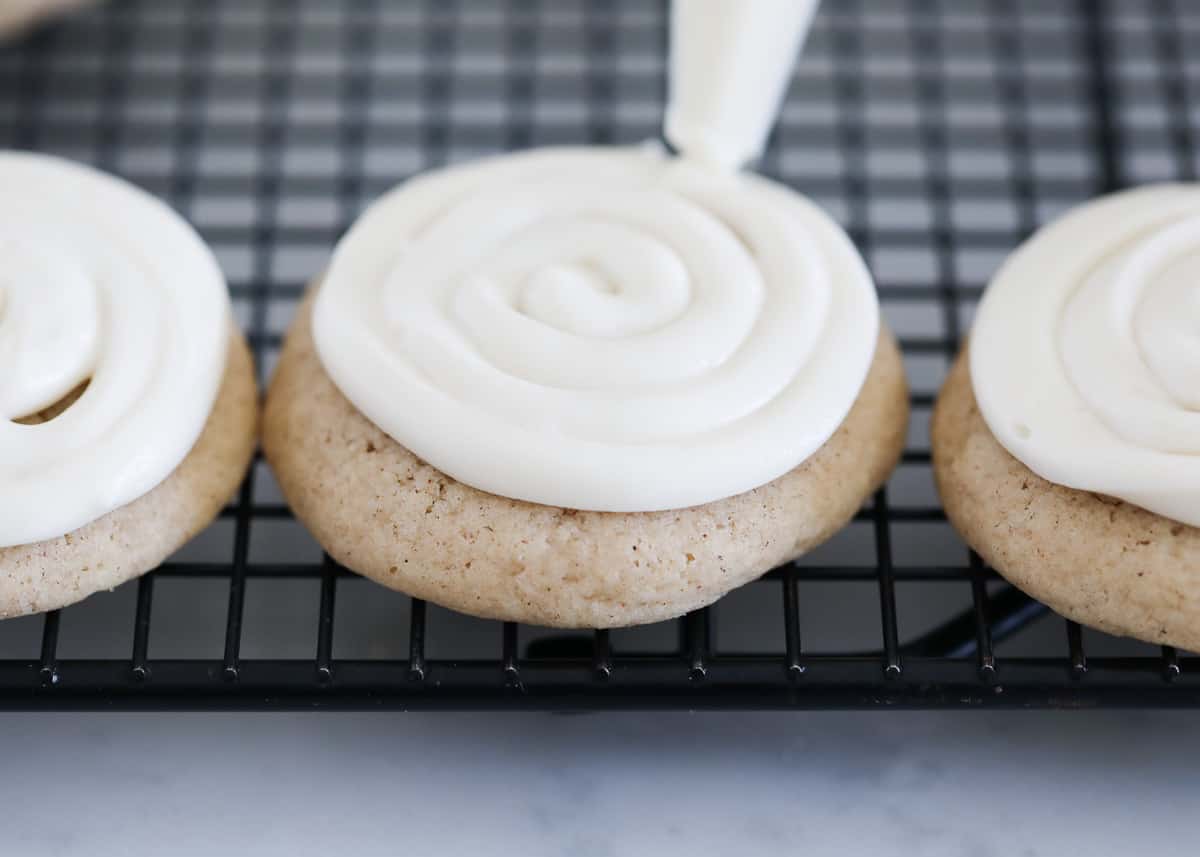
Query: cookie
x,y
137,537
1099,561
380,511
17,16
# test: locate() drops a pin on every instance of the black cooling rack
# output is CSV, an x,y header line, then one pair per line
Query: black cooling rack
x,y
940,134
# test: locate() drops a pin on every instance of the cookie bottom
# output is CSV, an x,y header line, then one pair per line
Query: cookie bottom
x,y
1099,561
382,512
137,537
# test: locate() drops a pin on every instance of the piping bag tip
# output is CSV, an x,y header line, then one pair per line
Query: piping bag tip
x,y
731,62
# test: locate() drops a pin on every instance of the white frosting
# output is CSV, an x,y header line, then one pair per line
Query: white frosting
x,y
731,61
1085,355
99,281
605,329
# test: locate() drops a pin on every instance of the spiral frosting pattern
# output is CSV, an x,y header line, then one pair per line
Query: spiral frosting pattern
x,y
605,329
100,283
1085,356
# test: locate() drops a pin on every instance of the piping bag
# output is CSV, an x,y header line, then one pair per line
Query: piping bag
x,y
731,61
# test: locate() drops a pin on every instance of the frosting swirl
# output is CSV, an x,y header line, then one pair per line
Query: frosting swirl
x,y
604,329
1085,357
101,283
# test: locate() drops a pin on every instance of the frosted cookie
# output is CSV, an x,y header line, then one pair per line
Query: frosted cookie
x,y
584,387
1066,441
593,387
17,16
383,512
127,397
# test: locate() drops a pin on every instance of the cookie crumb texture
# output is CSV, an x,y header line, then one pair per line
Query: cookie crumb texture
x,y
381,511
1099,561
137,537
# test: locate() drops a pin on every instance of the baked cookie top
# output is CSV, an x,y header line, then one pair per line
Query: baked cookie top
x,y
382,511
1093,558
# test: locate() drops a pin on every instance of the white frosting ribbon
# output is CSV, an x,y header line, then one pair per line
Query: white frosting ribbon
x,y
605,329
99,282
1085,354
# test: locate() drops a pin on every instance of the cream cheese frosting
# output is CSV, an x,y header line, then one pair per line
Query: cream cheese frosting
x,y
599,328
102,283
1085,353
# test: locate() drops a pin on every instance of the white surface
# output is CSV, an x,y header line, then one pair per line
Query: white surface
x,y
1003,783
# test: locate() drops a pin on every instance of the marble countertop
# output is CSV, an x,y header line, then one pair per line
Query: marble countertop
x,y
878,783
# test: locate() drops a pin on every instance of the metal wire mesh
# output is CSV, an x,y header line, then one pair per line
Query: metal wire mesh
x,y
939,133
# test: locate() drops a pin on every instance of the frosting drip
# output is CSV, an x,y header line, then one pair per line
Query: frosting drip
x,y
100,283
604,329
1106,397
